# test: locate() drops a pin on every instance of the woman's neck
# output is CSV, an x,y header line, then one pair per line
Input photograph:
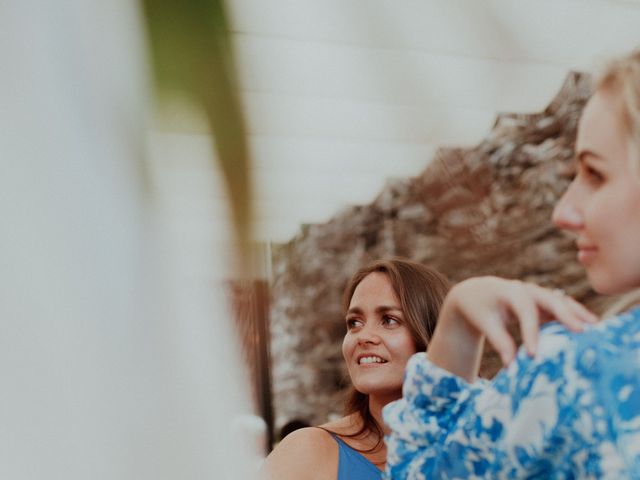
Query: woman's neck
x,y
376,404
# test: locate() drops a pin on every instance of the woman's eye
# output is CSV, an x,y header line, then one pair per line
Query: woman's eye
x,y
387,320
353,323
592,175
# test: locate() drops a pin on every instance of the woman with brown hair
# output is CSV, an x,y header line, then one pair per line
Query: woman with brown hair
x,y
391,307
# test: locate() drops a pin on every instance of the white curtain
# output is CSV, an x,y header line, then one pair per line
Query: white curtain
x,y
104,374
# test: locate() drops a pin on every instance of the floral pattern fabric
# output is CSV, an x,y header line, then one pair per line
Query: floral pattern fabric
x,y
570,412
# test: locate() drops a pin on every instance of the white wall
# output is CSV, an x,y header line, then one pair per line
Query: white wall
x,y
342,94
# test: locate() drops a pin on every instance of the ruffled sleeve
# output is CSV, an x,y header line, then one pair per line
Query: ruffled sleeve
x,y
433,399
514,426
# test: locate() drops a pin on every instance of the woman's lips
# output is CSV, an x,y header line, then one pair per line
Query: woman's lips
x,y
586,254
371,360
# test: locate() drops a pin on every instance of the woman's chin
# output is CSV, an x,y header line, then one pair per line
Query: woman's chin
x,y
383,394
606,285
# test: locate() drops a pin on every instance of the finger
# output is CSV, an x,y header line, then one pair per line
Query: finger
x,y
557,306
580,310
497,335
525,309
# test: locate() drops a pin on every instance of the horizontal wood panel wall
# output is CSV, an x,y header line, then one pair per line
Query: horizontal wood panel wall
x,y
342,95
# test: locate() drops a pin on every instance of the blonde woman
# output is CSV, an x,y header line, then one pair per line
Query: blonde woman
x,y
568,405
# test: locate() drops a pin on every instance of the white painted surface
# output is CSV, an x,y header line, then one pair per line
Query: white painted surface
x,y
341,95
117,354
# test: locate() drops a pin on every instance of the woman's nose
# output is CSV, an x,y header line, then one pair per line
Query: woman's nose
x,y
566,217
565,214
368,334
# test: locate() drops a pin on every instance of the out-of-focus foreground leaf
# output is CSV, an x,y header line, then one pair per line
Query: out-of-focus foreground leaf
x,y
192,53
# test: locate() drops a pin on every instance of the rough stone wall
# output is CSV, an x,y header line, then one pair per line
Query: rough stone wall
x,y
483,210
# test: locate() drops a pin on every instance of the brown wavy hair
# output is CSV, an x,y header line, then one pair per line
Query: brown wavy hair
x,y
421,291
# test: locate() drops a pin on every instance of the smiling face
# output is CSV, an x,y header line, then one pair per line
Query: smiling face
x,y
602,204
378,343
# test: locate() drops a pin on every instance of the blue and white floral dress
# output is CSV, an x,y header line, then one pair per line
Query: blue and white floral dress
x,y
570,412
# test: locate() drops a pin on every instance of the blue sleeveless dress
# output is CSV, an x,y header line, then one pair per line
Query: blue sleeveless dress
x,y
352,465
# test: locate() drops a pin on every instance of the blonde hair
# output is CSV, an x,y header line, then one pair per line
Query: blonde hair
x,y
623,303
622,76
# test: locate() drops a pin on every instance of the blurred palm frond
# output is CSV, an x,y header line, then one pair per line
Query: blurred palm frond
x,y
192,54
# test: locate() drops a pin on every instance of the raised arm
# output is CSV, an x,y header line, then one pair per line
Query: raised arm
x,y
511,427
482,307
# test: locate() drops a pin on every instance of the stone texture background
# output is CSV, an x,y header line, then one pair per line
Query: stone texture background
x,y
483,210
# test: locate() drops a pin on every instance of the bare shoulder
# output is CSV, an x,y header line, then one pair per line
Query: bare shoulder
x,y
343,426
303,451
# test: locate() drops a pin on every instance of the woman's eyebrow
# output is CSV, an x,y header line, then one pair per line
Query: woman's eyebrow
x,y
387,308
379,309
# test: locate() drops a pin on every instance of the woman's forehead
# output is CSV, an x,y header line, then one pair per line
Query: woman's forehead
x,y
602,130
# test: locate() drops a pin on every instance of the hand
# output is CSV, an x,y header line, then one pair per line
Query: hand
x,y
483,307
